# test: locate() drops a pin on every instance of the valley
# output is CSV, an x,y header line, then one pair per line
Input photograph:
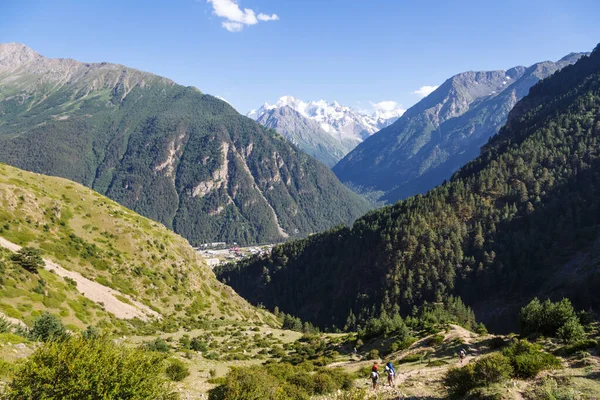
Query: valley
x,y
430,234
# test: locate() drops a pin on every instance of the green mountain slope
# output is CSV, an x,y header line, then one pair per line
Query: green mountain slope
x,y
171,153
100,241
521,220
441,133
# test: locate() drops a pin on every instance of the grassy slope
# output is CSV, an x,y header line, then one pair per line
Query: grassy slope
x,y
88,233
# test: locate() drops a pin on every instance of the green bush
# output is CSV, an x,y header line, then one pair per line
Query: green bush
x,y
481,329
29,258
492,369
47,327
550,389
177,371
411,358
374,354
342,378
245,383
91,333
528,359
158,344
5,326
551,319
436,340
571,331
198,344
497,342
458,381
281,381
581,345
76,368
323,384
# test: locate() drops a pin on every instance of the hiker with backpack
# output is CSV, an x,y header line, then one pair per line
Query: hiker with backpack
x,y
391,373
375,375
461,355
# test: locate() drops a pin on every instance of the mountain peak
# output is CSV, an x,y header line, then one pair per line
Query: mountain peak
x,y
324,125
16,54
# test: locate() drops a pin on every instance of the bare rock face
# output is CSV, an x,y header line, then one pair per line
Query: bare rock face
x,y
171,153
441,133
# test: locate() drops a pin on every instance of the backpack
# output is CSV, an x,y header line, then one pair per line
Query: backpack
x,y
374,375
391,367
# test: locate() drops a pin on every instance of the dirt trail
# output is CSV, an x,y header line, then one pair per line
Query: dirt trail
x,y
97,292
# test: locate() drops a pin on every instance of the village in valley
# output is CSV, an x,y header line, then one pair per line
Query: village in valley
x,y
218,253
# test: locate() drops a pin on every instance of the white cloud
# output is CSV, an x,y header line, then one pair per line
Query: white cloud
x,y
424,91
235,17
233,26
387,109
265,17
386,106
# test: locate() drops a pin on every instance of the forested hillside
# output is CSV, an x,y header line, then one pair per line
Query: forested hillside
x,y
441,133
169,152
521,220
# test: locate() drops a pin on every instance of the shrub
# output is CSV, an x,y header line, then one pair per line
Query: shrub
x,y
197,344
549,319
436,363
497,342
177,371
374,354
411,358
94,369
550,389
28,258
481,329
355,394
341,378
323,384
458,381
5,326
47,327
406,342
91,333
492,369
529,365
528,359
571,331
245,383
158,344
581,345
281,381
436,340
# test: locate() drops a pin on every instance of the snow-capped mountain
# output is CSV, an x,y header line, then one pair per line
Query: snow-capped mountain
x,y
345,125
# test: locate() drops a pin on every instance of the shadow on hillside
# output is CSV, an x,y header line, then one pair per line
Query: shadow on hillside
x,y
595,376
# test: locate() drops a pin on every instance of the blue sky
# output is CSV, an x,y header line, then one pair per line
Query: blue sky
x,y
355,52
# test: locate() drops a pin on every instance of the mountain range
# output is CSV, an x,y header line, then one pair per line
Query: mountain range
x,y
441,133
520,220
326,131
173,154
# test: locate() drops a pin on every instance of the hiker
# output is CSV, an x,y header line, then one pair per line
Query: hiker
x,y
375,375
391,373
461,355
